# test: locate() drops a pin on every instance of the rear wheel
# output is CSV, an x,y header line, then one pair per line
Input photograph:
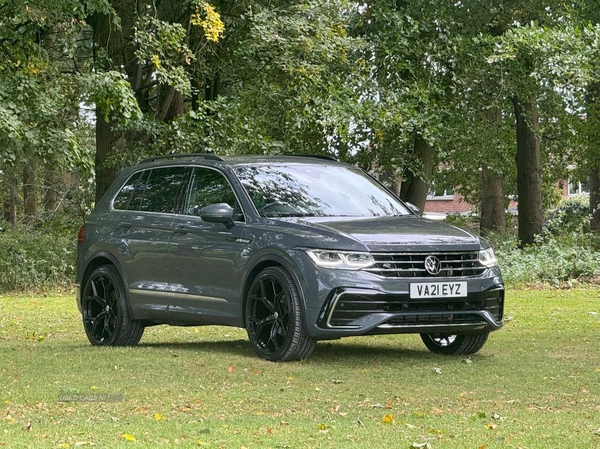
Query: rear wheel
x,y
454,344
274,320
105,315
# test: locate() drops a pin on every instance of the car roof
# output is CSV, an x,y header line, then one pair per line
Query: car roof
x,y
237,160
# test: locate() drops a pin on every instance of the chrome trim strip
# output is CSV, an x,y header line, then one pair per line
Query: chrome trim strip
x,y
168,294
337,298
393,326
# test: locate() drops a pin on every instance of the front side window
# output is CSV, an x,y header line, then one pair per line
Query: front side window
x,y
306,190
211,187
155,190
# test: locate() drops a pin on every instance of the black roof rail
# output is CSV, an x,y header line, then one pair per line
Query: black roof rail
x,y
318,156
209,156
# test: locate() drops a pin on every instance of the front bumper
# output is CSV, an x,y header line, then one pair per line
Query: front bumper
x,y
366,305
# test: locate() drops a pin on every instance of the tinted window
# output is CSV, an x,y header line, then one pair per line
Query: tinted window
x,y
122,199
156,190
301,190
211,187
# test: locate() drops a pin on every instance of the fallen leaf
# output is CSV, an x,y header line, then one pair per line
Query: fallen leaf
x,y
437,370
409,426
491,426
230,369
468,361
388,419
128,437
158,417
421,446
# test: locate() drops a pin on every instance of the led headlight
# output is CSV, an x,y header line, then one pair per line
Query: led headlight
x,y
340,259
487,258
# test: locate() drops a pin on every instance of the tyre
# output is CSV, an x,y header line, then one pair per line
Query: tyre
x,y
454,344
105,315
274,320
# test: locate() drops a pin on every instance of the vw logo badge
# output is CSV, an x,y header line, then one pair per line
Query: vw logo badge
x,y
433,265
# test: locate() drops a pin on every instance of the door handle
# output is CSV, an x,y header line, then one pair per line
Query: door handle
x,y
180,229
124,224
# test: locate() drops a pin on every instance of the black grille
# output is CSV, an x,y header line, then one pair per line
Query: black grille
x,y
353,306
412,265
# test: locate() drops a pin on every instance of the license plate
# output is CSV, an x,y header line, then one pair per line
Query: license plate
x,y
438,290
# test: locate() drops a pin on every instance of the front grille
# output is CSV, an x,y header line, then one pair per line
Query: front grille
x,y
412,265
350,307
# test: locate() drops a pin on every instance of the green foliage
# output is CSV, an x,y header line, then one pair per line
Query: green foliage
x,y
571,216
557,261
35,260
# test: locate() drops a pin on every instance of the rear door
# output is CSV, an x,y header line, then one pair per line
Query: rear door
x,y
149,202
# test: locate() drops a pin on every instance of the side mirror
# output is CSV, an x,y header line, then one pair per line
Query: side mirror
x,y
218,213
413,208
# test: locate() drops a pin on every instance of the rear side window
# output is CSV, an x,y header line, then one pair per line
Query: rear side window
x,y
155,190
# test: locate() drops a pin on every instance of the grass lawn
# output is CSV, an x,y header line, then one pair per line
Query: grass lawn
x,y
536,384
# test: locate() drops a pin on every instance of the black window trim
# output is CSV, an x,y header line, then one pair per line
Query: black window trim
x,y
186,195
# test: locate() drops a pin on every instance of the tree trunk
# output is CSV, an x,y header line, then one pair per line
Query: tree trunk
x,y
50,193
593,136
595,198
29,191
493,217
415,186
108,39
529,179
12,204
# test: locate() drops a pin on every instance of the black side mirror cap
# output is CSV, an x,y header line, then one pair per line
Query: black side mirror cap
x,y
218,213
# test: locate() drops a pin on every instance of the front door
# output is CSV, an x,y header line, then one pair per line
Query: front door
x,y
205,257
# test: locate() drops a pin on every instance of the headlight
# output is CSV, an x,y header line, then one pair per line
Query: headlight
x,y
340,259
487,258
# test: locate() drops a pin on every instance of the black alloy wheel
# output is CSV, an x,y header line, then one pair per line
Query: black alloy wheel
x,y
105,315
274,320
455,344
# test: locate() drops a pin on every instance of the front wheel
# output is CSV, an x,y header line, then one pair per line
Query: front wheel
x,y
274,320
105,316
455,344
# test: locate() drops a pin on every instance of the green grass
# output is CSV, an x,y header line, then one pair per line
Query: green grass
x,y
536,384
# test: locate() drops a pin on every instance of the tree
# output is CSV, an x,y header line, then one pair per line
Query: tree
x,y
40,88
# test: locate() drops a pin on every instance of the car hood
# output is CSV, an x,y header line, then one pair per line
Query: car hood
x,y
406,233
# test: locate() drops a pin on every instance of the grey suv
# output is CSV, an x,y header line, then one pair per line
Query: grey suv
x,y
293,249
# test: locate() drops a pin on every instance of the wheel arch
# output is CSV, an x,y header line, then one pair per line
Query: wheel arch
x,y
105,258
266,261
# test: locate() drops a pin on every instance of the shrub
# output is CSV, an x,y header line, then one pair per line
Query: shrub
x,y
558,260
572,215
35,259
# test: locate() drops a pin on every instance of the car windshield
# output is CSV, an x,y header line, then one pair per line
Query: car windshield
x,y
307,190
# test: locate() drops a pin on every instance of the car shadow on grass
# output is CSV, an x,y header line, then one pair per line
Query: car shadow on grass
x,y
325,352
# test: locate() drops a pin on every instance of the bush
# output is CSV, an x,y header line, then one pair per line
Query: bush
x,y
572,215
557,261
34,260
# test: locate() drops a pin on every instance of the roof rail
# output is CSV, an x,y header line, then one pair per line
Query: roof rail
x,y
209,156
318,156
